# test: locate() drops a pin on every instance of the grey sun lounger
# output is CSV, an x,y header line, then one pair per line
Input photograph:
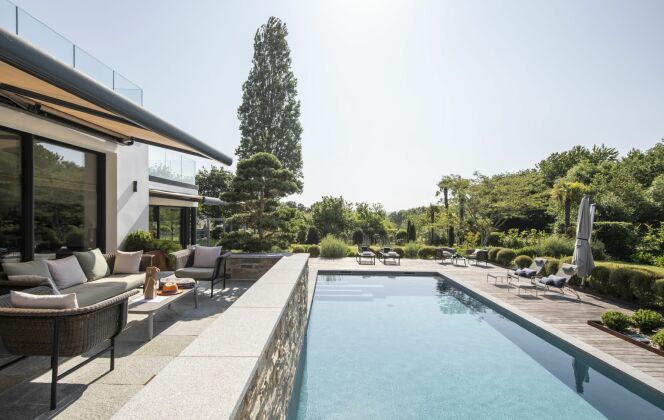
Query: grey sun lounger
x,y
364,253
386,253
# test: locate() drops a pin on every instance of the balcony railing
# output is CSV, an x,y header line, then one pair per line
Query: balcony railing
x,y
172,166
20,22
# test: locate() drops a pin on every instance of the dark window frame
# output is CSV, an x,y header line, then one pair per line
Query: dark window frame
x,y
187,223
28,141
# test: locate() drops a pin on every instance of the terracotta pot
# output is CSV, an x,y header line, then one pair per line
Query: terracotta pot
x,y
160,261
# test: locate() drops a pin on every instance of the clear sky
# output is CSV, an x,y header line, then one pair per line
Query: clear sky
x,y
396,93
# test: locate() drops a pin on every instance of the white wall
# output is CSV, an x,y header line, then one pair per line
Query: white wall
x,y
131,164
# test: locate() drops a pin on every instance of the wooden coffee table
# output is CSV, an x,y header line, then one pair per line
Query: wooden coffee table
x,y
142,306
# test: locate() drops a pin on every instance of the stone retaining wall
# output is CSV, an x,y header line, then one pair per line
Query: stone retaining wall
x,y
250,266
270,390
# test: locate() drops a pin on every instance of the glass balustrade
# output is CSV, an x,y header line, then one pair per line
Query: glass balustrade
x,y
172,166
18,21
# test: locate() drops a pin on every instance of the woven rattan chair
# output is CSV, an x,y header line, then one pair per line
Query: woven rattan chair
x,y
62,332
184,261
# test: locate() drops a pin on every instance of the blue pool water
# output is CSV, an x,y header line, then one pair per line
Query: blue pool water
x,y
418,347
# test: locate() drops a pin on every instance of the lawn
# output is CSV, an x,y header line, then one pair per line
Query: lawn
x,y
652,268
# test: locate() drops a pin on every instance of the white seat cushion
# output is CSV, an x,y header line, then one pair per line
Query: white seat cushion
x,y
66,272
29,301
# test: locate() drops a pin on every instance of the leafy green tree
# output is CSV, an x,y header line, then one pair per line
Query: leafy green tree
x,y
567,193
332,216
370,219
259,183
213,183
358,237
270,111
313,236
556,165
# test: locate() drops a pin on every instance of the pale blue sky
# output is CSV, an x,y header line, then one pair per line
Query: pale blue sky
x,y
396,93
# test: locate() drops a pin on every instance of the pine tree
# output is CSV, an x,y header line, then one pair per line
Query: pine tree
x,y
270,111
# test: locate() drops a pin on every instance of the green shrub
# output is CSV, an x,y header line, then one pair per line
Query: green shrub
x,y
297,249
426,252
599,250
599,279
615,320
642,285
139,240
647,320
551,267
658,338
505,256
493,252
358,237
399,250
75,239
658,291
494,239
620,238
313,237
530,250
351,251
301,236
331,247
164,245
619,281
411,249
556,246
314,251
375,249
523,261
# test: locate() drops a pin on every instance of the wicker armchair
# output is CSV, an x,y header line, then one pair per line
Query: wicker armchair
x,y
184,261
478,255
62,332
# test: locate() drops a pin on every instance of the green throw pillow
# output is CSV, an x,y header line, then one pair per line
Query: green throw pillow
x,y
31,268
93,263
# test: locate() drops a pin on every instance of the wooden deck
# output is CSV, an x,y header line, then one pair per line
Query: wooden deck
x,y
562,312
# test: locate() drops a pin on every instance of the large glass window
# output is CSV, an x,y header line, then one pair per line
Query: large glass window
x,y
66,199
10,196
170,220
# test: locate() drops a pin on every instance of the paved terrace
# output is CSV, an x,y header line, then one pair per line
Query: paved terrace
x,y
93,393
564,313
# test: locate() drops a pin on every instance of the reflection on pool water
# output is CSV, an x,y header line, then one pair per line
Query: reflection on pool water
x,y
418,347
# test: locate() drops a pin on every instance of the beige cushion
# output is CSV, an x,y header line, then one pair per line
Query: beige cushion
x,y
206,256
131,281
93,263
66,272
127,262
26,300
32,268
195,273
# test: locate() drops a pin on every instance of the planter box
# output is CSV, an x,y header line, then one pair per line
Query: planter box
x,y
600,326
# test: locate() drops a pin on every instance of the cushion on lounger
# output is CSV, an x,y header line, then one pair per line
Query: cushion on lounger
x,y
556,281
527,272
392,254
518,271
367,254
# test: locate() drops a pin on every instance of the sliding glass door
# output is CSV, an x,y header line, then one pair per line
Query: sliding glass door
x,y
11,241
51,198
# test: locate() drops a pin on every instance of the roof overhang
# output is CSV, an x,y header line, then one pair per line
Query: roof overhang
x,y
208,201
36,81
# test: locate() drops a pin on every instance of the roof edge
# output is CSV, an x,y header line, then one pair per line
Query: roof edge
x,y
23,55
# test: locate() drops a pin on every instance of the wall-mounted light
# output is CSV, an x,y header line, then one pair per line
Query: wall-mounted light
x,y
135,186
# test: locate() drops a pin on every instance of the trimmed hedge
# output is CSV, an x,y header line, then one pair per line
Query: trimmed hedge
x,y
628,283
523,261
493,251
297,249
399,250
426,252
505,256
314,251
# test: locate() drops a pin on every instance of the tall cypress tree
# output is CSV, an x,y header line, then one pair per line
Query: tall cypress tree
x,y
270,111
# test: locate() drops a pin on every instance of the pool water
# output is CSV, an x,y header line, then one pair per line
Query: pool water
x,y
417,347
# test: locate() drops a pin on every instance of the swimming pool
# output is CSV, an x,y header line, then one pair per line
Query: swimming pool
x,y
419,347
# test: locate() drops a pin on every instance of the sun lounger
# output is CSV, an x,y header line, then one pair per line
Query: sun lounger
x,y
364,253
560,280
386,253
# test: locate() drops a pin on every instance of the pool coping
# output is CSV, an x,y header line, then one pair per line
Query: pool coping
x,y
614,368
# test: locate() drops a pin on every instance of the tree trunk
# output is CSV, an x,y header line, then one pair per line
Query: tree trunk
x,y
568,210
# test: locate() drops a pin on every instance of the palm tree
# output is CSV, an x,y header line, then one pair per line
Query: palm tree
x,y
566,193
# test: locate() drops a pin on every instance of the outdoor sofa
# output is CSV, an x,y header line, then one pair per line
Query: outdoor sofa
x,y
386,253
208,267
101,316
364,253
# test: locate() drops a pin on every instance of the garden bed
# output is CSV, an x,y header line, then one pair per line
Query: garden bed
x,y
626,337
